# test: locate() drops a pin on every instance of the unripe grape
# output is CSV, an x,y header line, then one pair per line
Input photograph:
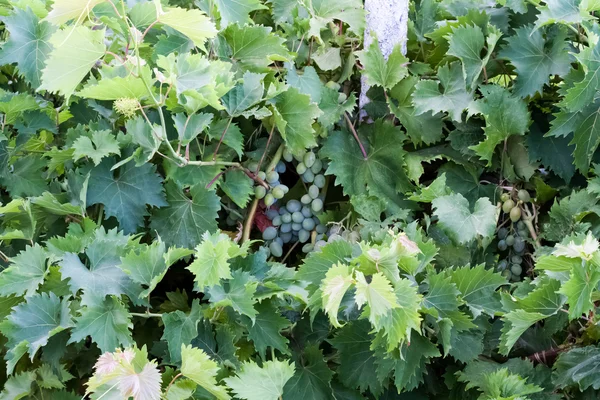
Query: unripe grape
x,y
287,155
502,265
317,166
284,188
308,176
524,196
319,181
319,245
309,159
297,217
280,167
516,259
519,245
524,233
293,206
286,237
300,168
260,192
286,218
510,240
296,226
271,213
313,191
278,192
516,269
504,197
308,224
306,212
285,228
272,176
502,232
316,205
305,199
521,225
507,274
502,245
307,248
515,214
270,233
262,175
276,249
303,236
277,221
253,166
321,228
269,199
508,205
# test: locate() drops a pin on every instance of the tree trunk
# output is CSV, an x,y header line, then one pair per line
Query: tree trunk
x,y
387,20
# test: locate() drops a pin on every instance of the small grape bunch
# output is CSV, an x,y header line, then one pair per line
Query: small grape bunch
x,y
276,189
310,168
512,240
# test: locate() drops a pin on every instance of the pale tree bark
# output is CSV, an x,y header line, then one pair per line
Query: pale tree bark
x,y
387,20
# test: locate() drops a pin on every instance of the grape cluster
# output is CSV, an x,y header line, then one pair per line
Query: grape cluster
x,y
276,190
296,221
512,240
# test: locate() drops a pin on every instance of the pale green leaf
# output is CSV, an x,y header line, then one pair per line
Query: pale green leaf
x,y
196,365
255,383
25,272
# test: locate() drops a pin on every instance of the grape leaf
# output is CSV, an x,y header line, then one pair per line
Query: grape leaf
x,y
238,186
192,23
102,144
535,58
378,295
196,365
183,222
582,282
180,329
18,386
462,224
244,95
261,383
188,128
381,72
381,175
75,51
578,366
254,48
65,10
561,11
478,288
28,44
125,196
265,330
324,12
338,280
237,292
237,10
115,88
294,115
25,273
108,323
312,379
582,93
143,135
586,137
398,323
31,324
453,99
25,178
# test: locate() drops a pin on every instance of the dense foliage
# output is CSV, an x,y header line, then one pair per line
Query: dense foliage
x,y
191,206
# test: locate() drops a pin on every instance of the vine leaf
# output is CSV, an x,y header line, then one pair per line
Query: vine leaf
x,y
183,222
381,72
25,273
107,322
452,98
582,93
462,224
117,87
378,295
31,324
75,52
535,59
312,379
561,11
192,23
294,115
180,329
478,288
237,293
28,44
261,383
338,280
188,128
197,366
265,331
233,11
102,144
65,10
578,367
254,48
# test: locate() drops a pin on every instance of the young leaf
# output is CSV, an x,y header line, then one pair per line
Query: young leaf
x,y
381,72
237,292
378,294
26,272
101,145
237,11
192,23
462,224
255,383
180,329
75,52
337,281
254,47
65,10
196,365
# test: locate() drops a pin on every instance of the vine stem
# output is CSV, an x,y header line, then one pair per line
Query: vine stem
x,y
351,126
249,221
172,382
262,158
221,138
146,315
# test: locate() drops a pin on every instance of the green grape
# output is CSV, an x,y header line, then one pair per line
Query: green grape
x,y
316,205
270,233
286,218
285,228
320,181
308,224
524,196
515,214
516,259
510,240
293,206
321,228
308,176
502,265
508,205
262,175
306,212
276,249
260,192
523,233
272,176
504,197
287,155
516,269
502,232
521,225
277,221
502,245
278,192
296,226
507,274
303,235
253,166
300,168
309,159
317,166
284,188
269,200
307,248
297,217
313,191
306,199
